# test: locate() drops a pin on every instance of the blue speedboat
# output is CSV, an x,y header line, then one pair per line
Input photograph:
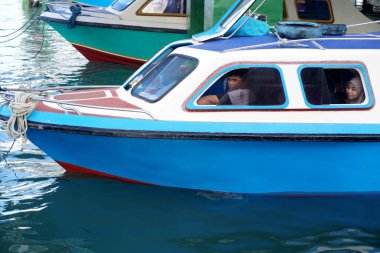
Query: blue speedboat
x,y
256,114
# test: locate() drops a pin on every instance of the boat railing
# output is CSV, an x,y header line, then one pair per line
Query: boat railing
x,y
52,6
9,95
64,104
300,42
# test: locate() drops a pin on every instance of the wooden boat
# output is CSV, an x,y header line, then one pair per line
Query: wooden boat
x,y
292,125
131,32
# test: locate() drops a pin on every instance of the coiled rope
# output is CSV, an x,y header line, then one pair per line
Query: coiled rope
x,y
21,107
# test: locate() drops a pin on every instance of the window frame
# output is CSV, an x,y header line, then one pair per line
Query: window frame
x,y
172,87
285,11
362,71
192,102
140,12
330,21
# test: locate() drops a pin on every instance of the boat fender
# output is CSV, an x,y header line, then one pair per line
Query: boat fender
x,y
334,29
75,10
298,30
251,27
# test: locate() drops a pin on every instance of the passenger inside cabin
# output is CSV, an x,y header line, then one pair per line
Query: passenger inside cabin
x,y
327,86
354,91
237,93
254,86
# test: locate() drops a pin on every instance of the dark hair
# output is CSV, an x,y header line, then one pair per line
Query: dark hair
x,y
238,72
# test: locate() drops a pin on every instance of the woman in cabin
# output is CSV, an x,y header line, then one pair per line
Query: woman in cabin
x,y
354,91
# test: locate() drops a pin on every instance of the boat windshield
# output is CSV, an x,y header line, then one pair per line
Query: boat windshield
x,y
121,5
234,13
163,77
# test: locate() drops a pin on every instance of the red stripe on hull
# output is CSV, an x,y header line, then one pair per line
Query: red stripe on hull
x,y
101,56
78,169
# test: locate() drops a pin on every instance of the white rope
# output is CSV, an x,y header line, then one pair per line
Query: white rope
x,y
21,107
367,23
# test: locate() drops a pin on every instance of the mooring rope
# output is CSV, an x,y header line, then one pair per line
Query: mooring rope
x,y
34,14
21,107
18,35
42,43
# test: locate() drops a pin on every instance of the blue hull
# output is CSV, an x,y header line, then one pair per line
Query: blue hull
x,y
251,166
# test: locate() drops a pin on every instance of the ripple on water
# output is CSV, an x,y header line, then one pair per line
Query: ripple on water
x,y
346,240
25,179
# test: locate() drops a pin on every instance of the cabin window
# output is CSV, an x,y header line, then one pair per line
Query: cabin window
x,y
252,87
121,5
314,10
163,77
323,86
155,7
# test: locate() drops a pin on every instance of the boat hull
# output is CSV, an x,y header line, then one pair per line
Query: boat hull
x,y
117,45
257,166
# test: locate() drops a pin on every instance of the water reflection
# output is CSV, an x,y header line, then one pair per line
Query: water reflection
x,y
100,215
26,176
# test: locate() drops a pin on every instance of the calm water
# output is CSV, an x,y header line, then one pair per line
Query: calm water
x,y
43,209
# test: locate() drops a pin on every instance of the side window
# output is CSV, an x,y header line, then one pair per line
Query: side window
x,y
157,7
314,10
121,5
326,86
260,86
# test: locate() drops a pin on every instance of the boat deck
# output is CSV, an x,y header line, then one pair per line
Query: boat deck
x,y
106,98
351,41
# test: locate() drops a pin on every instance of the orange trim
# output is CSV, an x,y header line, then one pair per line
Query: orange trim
x,y
330,21
285,15
105,52
140,12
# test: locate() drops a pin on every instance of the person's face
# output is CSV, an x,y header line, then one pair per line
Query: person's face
x,y
351,91
233,81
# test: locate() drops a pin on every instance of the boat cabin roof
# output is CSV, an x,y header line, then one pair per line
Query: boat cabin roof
x,y
352,41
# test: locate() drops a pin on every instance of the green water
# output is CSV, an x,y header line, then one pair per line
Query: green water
x,y
43,209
